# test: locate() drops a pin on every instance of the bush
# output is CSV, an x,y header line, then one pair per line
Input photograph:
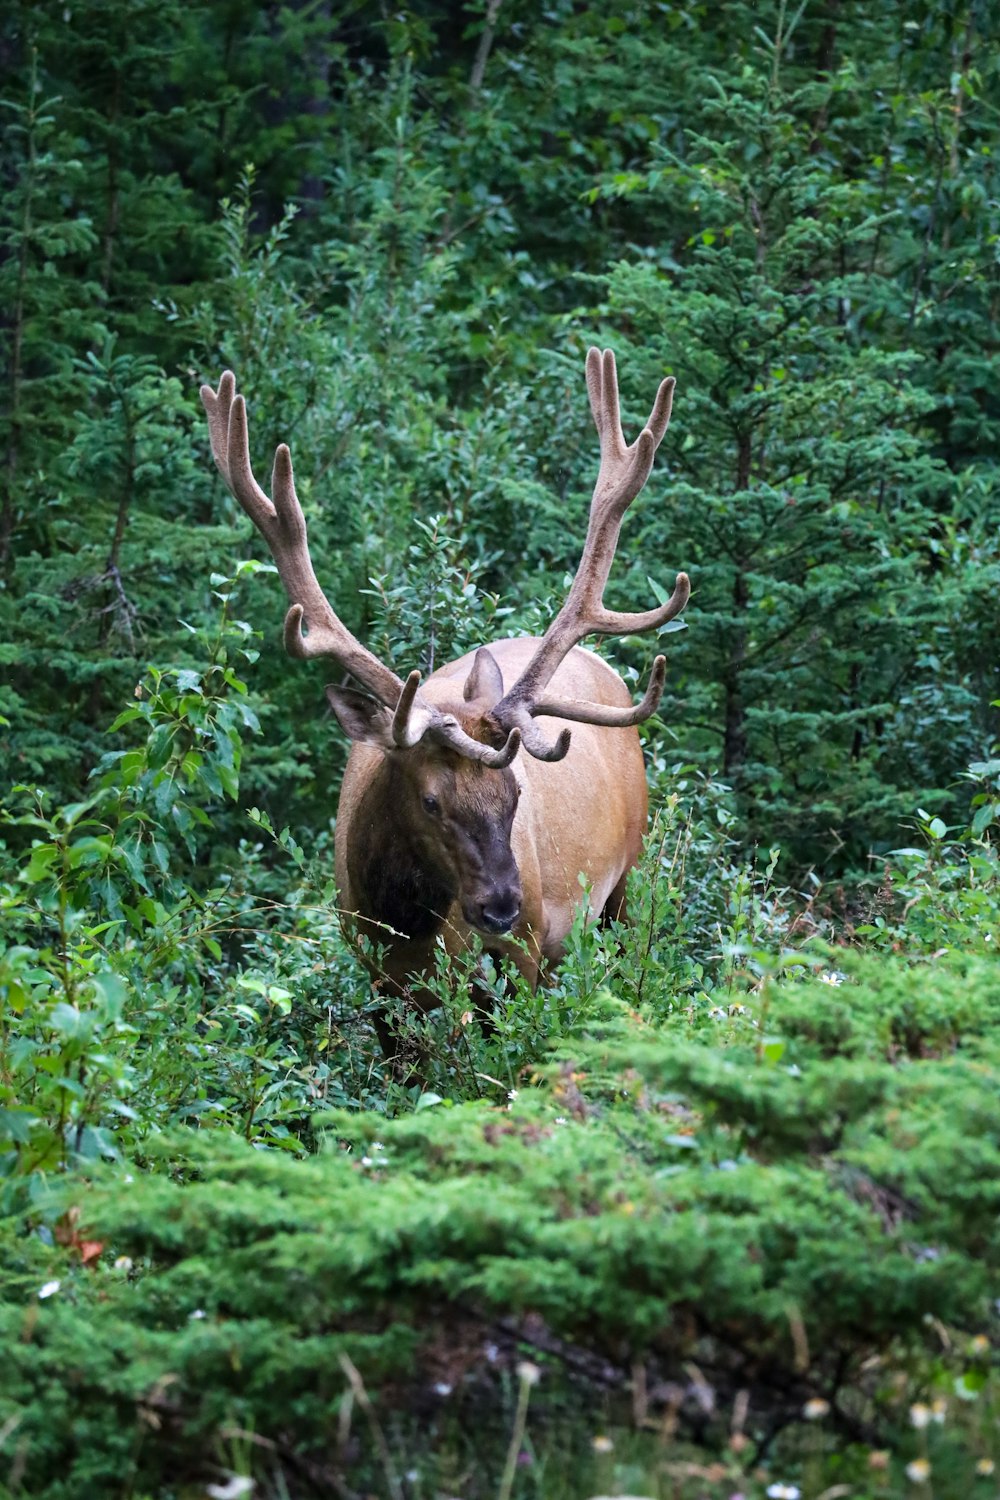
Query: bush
x,y
790,1197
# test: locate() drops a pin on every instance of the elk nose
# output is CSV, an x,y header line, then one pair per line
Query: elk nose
x,y
500,913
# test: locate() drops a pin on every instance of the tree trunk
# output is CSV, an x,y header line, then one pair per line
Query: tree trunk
x,y
17,334
734,750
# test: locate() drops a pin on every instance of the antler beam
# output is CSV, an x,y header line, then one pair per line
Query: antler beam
x,y
283,526
412,720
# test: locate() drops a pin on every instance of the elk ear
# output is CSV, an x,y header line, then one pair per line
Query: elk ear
x,y
485,682
360,717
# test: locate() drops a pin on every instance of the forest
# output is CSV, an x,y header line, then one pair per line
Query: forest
x,y
713,1211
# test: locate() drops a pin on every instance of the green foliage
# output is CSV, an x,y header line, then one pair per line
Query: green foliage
x,y
801,496
748,1230
129,979
770,1163
796,216
727,1179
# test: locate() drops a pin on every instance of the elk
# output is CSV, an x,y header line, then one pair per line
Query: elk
x,y
443,829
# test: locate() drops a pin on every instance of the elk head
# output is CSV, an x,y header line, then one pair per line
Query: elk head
x,y
451,813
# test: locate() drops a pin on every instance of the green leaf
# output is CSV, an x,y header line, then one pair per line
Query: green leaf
x,y
16,1123
280,998
230,780
159,745
125,717
39,866
984,816
69,1021
427,1101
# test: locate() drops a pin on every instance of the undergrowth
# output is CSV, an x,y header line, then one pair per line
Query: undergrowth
x,y
712,1212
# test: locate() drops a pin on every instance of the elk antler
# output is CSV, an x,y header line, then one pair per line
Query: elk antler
x,y
623,472
411,721
283,526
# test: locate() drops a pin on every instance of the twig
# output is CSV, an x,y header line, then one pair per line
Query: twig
x,y
485,46
361,1396
528,1375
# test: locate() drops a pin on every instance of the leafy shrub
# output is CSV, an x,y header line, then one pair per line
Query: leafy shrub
x,y
793,1214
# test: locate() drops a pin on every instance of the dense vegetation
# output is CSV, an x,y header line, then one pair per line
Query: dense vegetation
x,y
716,1211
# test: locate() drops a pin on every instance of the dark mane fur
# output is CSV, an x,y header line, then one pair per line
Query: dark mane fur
x,y
393,884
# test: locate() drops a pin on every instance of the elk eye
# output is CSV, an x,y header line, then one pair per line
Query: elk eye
x,y
431,804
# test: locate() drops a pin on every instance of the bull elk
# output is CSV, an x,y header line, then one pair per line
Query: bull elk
x,y
443,829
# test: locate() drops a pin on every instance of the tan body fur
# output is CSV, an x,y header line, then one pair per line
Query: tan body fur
x,y
582,815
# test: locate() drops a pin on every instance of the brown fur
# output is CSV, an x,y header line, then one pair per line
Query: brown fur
x,y
583,815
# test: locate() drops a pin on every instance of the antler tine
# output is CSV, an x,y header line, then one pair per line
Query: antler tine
x,y
534,740
263,513
412,720
623,471
409,727
601,713
217,405
448,732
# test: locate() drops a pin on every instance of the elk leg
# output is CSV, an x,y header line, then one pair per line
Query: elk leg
x,y
615,908
403,1053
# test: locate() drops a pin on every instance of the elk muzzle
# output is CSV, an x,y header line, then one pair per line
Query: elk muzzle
x,y
496,910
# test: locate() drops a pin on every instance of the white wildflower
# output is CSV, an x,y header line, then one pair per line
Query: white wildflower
x,y
919,1470
48,1290
815,1409
920,1415
239,1484
778,1491
527,1372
